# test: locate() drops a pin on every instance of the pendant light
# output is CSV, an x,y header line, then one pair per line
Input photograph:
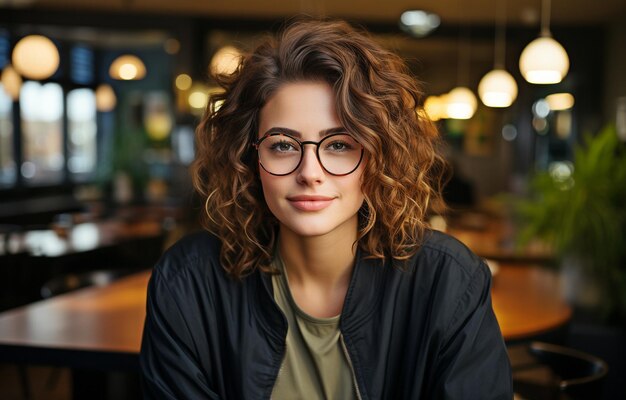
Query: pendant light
x,y
436,107
225,61
105,98
560,101
498,88
11,82
419,23
544,60
127,67
461,101
35,57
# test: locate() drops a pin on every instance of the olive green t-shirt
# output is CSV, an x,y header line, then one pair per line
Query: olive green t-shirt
x,y
315,364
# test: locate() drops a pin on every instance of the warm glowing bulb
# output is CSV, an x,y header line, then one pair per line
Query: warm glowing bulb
x,y
198,99
183,82
560,101
127,67
544,61
461,103
225,61
419,23
497,89
105,98
158,126
435,108
35,57
128,72
11,82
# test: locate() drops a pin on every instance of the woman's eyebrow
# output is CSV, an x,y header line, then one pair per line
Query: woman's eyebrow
x,y
330,131
292,132
278,129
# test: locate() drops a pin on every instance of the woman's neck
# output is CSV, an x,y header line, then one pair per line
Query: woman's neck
x,y
319,267
324,258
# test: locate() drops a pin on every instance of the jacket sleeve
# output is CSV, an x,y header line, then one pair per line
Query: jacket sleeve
x,y
168,361
472,362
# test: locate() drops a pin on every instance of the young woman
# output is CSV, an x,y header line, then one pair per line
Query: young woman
x,y
320,278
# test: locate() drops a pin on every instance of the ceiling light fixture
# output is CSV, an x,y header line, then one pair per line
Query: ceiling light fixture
x,y
105,98
498,88
560,101
544,60
461,102
225,61
435,107
419,23
11,82
35,57
183,82
127,67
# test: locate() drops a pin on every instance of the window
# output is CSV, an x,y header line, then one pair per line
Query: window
x,y
4,48
42,133
82,65
7,161
82,128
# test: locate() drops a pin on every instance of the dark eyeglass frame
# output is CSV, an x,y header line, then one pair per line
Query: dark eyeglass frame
x,y
258,142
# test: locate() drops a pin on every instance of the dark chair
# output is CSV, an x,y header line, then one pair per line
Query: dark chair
x,y
546,371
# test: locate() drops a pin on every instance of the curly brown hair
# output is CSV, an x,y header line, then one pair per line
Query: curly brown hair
x,y
377,101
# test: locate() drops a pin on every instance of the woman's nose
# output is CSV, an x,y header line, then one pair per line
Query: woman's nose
x,y
310,170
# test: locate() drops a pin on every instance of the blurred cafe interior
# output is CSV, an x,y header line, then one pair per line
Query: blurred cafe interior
x,y
98,105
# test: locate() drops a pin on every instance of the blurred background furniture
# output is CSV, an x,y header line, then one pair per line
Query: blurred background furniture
x,y
61,285
95,331
71,282
543,371
493,235
529,304
115,312
31,257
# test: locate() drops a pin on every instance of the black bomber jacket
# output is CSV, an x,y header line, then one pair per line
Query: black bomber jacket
x,y
425,332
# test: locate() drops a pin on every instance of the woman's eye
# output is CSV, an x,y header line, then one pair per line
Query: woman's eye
x,y
283,147
338,146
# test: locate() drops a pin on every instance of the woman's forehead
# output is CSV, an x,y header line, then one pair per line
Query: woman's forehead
x,y
304,107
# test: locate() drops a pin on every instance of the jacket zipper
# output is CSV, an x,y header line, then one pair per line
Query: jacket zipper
x,y
345,351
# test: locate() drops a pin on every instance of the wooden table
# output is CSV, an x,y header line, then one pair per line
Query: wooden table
x,y
96,328
31,258
495,238
528,301
102,327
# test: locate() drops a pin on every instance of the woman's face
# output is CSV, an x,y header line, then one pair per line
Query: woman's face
x,y
309,201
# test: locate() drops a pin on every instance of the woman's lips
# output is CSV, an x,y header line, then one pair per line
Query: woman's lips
x,y
310,203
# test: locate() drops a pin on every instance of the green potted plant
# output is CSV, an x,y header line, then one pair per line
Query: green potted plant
x,y
581,212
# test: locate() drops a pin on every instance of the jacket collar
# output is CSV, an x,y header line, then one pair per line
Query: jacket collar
x,y
362,298
268,313
364,292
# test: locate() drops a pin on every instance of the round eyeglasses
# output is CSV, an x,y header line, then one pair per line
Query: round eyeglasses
x,y
281,154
